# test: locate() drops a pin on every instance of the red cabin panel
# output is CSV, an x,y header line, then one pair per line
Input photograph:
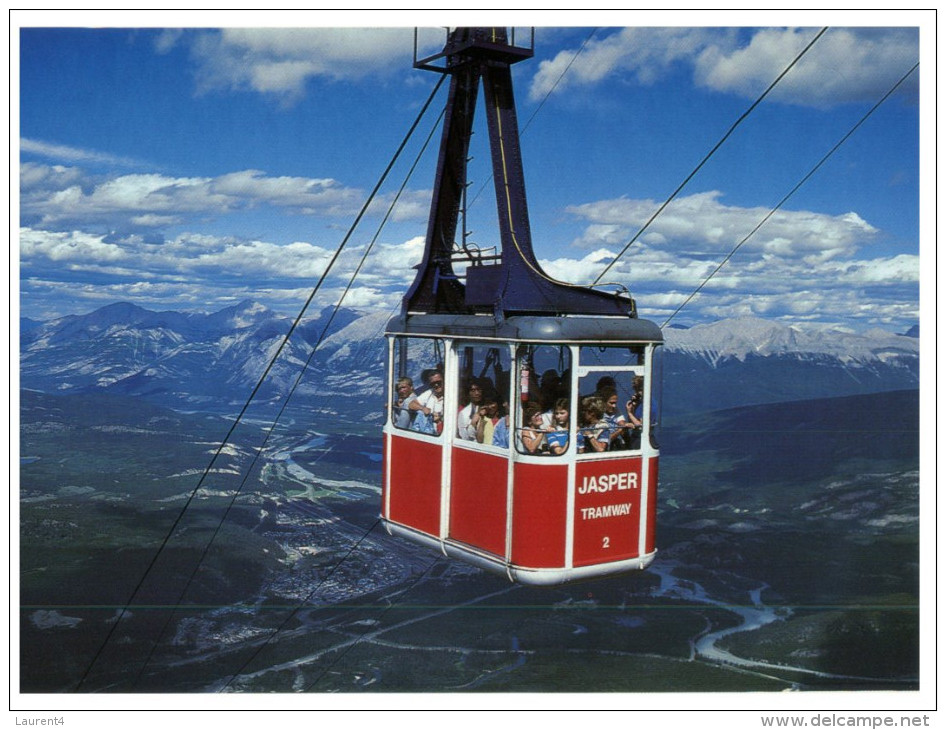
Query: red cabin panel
x,y
415,484
385,445
607,510
478,499
539,515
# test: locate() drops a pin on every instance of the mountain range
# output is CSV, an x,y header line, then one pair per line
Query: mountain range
x,y
787,531
213,361
746,361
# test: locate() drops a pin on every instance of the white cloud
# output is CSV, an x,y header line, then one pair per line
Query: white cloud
x,y
878,291
167,38
66,153
307,195
202,257
845,65
364,298
262,259
67,247
392,264
577,271
204,272
644,54
701,223
411,205
59,197
799,266
894,269
134,196
35,176
806,305
279,61
207,272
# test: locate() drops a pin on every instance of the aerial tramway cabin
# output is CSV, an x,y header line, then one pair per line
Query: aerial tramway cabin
x,y
496,449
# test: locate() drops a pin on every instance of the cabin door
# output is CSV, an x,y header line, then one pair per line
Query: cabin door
x,y
479,456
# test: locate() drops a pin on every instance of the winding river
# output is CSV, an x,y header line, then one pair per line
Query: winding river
x,y
754,615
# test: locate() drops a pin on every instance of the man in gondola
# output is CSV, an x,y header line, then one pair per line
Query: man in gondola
x,y
487,418
466,429
429,405
401,413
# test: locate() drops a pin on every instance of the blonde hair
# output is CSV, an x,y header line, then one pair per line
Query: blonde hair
x,y
594,404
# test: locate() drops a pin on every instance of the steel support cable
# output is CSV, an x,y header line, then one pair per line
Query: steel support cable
x,y
262,447
709,154
256,388
288,618
791,193
308,361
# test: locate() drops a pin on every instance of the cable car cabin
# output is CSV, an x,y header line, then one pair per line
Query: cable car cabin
x,y
515,447
522,410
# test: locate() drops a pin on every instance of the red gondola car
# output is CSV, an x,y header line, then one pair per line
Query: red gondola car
x,y
522,410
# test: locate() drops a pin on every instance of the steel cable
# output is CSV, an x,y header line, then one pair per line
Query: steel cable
x,y
161,548
789,194
261,449
709,154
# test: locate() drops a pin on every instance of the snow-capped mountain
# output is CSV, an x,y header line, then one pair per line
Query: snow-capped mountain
x,y
213,361
748,361
750,336
173,358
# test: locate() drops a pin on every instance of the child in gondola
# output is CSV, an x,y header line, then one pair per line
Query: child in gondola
x,y
532,434
557,437
593,434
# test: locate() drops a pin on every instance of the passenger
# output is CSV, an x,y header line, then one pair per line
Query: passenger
x,y
501,431
593,433
635,406
429,406
400,409
465,428
606,381
564,388
548,388
487,418
616,422
533,432
557,438
635,412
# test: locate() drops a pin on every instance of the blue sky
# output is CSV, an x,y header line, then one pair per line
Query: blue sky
x,y
194,167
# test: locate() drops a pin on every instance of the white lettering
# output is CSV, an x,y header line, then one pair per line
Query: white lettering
x,y
608,510
628,480
608,482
